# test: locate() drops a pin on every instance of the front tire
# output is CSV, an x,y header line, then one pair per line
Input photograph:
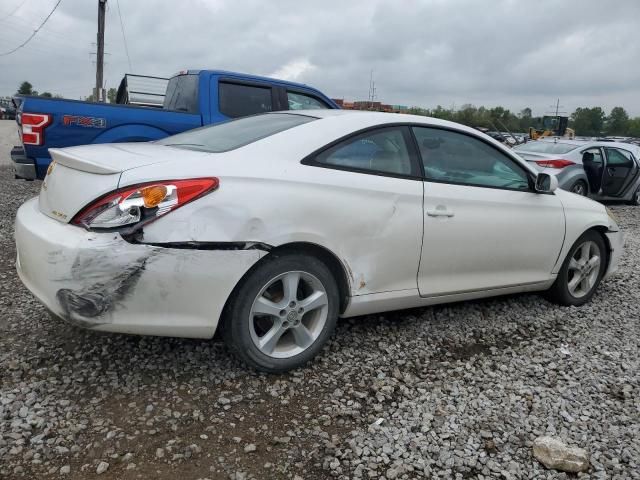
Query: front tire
x,y
283,313
581,271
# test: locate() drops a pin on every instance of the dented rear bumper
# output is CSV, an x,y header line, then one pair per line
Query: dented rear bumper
x,y
100,281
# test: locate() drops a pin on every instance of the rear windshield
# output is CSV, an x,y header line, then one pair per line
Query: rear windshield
x,y
182,94
546,147
235,133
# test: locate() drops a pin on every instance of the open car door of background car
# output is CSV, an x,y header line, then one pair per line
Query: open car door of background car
x,y
620,170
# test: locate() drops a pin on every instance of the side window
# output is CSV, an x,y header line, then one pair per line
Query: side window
x,y
300,101
618,158
383,151
236,100
182,94
593,156
452,157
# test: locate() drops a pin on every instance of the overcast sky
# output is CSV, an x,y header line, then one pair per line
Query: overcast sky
x,y
514,53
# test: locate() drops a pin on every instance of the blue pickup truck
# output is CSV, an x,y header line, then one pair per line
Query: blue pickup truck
x,y
193,98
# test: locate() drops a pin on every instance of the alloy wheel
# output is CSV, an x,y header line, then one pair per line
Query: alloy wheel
x,y
288,314
584,268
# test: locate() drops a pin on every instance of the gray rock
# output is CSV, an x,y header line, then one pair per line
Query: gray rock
x,y
554,453
102,467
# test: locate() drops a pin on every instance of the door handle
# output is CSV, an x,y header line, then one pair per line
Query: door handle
x,y
440,212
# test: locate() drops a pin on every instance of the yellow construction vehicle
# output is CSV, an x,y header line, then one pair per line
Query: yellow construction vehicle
x,y
552,126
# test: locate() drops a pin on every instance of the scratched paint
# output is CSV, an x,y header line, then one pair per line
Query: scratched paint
x,y
91,305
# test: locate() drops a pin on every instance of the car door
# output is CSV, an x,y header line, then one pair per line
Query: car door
x,y
484,226
619,172
374,198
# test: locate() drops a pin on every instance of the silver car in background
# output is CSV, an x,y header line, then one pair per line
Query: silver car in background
x,y
602,170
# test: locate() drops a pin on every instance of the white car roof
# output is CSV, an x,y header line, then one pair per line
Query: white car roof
x,y
591,143
367,118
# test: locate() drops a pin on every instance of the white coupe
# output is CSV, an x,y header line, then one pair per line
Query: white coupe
x,y
270,227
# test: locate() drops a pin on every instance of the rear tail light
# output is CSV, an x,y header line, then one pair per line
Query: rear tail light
x,y
142,203
559,163
33,125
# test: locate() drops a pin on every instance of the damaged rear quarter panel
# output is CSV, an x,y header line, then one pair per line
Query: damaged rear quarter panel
x,y
100,281
373,224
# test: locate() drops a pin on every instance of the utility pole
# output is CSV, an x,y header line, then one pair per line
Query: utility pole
x,y
99,91
372,90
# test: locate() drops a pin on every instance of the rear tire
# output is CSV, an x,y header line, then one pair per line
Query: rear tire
x,y
282,314
581,271
579,188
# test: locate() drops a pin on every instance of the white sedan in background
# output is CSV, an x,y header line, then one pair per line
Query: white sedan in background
x,y
272,226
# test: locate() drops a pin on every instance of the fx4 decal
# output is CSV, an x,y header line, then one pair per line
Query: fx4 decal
x,y
94,122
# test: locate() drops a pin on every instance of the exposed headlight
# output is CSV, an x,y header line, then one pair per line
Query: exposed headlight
x,y
146,202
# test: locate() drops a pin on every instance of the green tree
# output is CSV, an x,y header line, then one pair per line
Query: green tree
x,y
633,129
25,89
442,113
525,119
588,121
526,113
112,93
617,121
46,94
467,115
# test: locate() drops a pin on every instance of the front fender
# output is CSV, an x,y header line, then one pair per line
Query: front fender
x,y
581,214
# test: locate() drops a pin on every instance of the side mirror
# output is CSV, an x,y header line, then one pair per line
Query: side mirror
x,y
546,183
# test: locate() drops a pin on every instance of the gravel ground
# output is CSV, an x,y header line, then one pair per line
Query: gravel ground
x,y
457,391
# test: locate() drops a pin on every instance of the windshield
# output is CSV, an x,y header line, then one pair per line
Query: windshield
x,y
546,147
235,133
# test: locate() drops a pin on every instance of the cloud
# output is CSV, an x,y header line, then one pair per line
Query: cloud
x,y
294,70
422,52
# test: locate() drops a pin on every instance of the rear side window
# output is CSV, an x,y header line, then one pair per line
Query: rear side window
x,y
237,100
235,133
182,94
300,101
380,151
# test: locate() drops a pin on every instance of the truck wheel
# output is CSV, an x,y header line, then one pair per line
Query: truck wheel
x,y
282,314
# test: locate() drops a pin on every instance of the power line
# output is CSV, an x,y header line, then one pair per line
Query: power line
x,y
14,11
34,32
126,48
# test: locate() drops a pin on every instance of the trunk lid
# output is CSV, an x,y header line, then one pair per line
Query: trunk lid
x,y
79,175
532,158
